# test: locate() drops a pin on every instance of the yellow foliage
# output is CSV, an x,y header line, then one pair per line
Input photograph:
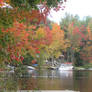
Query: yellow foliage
x,y
40,33
89,34
58,43
58,37
7,1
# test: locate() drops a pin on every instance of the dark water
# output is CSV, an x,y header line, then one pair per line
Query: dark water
x,y
47,80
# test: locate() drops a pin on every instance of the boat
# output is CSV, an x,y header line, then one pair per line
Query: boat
x,y
30,68
65,67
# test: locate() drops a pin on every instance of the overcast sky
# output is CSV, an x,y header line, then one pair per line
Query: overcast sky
x,y
79,7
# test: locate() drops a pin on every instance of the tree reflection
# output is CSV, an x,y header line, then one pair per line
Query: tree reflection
x,y
8,82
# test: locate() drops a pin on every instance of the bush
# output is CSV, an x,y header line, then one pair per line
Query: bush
x,y
87,66
21,70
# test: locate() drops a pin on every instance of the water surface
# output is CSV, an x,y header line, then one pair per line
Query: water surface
x,y
47,80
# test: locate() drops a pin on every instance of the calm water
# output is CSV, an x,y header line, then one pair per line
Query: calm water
x,y
47,80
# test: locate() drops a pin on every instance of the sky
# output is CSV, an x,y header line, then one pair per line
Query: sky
x,y
80,7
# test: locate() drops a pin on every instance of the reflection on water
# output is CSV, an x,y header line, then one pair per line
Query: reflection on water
x,y
82,81
47,80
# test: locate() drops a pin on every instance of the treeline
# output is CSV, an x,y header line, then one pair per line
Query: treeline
x,y
28,37
79,33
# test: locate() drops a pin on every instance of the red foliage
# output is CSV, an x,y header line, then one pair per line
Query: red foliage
x,y
37,17
79,32
36,48
1,1
17,59
38,52
90,58
13,57
48,38
22,58
17,54
33,61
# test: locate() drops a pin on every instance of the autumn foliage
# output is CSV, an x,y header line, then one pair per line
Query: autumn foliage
x,y
24,29
30,39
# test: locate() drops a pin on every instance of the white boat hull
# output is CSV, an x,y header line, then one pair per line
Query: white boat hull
x,y
66,68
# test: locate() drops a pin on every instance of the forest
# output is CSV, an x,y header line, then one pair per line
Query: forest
x,y
28,37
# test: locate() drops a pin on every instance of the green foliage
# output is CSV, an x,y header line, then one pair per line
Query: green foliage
x,y
21,70
6,19
78,32
27,59
34,3
18,3
52,3
87,66
78,61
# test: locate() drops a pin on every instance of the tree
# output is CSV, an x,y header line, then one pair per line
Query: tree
x,y
20,28
27,10
76,33
57,44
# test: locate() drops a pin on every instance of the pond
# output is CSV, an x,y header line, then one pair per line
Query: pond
x,y
71,81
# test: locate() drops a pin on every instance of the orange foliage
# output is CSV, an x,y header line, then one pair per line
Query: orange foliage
x,y
22,39
89,34
48,36
27,40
